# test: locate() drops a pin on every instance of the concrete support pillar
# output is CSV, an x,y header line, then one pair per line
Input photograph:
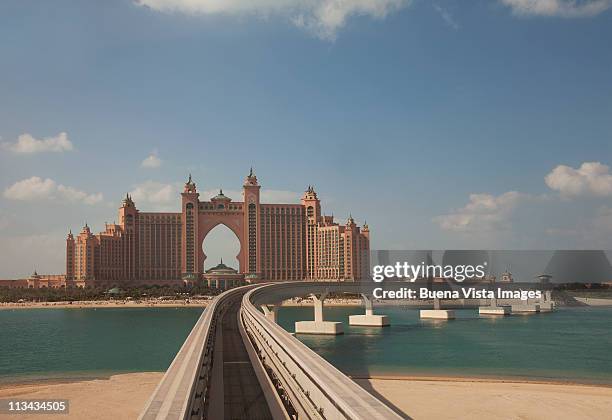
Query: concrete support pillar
x,y
367,301
269,312
494,309
436,312
546,303
318,326
369,319
436,303
318,307
525,307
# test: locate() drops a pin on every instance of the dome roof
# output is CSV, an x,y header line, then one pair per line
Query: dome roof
x,y
221,196
221,268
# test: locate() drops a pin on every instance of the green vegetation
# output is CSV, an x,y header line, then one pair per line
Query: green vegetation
x,y
78,294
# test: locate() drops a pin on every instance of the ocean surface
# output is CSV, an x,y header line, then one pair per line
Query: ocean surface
x,y
81,343
571,344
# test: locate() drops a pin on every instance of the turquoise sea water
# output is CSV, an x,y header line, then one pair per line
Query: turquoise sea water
x,y
73,343
573,344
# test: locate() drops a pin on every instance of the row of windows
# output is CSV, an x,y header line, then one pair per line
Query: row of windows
x,y
282,210
234,207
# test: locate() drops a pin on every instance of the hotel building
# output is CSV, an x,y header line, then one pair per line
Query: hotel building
x,y
277,242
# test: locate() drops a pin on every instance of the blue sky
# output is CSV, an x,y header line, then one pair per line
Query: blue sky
x,y
447,124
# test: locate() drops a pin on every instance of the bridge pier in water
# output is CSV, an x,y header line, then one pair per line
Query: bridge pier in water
x,y
437,312
319,325
546,304
493,309
369,319
526,308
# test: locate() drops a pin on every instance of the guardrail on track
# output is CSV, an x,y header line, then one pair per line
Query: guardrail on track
x,y
183,390
311,387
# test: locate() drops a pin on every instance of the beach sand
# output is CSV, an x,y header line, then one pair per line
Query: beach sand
x,y
124,396
457,398
120,397
153,304
594,301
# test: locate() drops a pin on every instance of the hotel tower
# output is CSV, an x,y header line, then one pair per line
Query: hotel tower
x,y
277,242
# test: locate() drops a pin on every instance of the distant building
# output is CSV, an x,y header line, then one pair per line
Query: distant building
x,y
14,284
506,277
277,242
222,277
53,281
36,281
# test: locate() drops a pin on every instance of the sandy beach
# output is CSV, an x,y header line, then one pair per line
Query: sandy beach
x,y
155,304
464,398
594,301
123,396
120,397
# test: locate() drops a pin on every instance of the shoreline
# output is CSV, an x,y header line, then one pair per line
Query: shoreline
x,y
154,304
23,381
479,379
123,396
96,304
332,302
595,302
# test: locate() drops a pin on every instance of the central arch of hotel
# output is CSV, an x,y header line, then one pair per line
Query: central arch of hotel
x,y
233,221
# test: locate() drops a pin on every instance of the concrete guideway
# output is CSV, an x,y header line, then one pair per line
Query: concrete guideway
x,y
183,392
310,386
235,390
237,363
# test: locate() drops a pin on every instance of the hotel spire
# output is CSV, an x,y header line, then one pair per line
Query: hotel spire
x,y
251,179
190,186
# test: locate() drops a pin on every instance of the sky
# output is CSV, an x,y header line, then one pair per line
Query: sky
x,y
445,124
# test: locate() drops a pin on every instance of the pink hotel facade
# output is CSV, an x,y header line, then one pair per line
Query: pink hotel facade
x,y
277,242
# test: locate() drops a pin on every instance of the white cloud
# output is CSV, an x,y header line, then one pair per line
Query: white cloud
x,y
73,194
592,178
484,212
156,196
446,16
323,18
151,161
36,188
27,144
560,8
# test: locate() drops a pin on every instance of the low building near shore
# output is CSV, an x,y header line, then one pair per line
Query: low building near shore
x,y
53,281
222,277
36,281
14,284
